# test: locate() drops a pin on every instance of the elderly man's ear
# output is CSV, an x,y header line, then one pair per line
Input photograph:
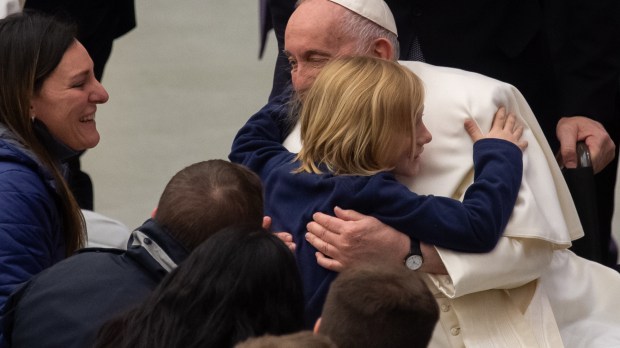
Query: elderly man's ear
x,y
382,48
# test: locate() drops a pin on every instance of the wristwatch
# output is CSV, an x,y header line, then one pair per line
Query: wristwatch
x,y
414,259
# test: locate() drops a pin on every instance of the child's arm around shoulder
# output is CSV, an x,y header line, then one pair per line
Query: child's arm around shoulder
x,y
262,135
476,223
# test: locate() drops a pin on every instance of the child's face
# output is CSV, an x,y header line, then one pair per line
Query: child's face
x,y
409,163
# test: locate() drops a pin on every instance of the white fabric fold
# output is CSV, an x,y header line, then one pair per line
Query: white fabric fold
x,y
544,208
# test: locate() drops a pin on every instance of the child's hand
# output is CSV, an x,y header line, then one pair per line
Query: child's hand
x,y
504,127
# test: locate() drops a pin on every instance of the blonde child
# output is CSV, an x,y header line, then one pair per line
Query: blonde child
x,y
361,123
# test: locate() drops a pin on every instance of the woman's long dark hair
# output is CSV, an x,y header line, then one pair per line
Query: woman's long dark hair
x,y
242,282
31,47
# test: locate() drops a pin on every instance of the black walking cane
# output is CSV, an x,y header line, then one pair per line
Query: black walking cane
x,y
582,187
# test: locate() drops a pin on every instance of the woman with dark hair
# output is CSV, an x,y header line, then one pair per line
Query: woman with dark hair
x,y
242,282
48,100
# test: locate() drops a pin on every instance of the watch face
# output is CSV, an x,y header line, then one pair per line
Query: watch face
x,y
414,262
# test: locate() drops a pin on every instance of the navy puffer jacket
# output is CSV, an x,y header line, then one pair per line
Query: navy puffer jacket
x,y
31,237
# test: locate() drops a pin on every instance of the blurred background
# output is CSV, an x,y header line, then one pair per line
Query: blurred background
x,y
181,84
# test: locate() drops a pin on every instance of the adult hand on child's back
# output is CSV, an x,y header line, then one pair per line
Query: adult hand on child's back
x,y
351,238
504,127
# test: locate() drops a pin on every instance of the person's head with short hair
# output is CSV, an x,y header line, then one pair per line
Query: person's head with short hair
x,y
361,117
241,282
207,196
376,306
320,30
302,339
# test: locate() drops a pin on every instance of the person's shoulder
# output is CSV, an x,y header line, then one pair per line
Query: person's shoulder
x,y
87,273
80,292
21,177
13,162
382,178
99,252
13,153
27,199
281,102
21,172
431,73
370,186
83,259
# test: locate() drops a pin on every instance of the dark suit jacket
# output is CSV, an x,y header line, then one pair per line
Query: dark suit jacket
x,y
274,15
562,55
99,23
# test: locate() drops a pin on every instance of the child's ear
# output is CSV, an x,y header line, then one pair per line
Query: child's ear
x,y
153,213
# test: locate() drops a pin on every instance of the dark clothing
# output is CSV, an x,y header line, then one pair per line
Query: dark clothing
x,y
475,225
273,15
99,23
66,305
563,55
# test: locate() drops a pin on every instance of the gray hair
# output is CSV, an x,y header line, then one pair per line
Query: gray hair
x,y
365,32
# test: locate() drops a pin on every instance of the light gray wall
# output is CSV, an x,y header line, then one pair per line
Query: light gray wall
x,y
181,84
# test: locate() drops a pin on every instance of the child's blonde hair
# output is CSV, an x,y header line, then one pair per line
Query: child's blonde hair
x,y
356,114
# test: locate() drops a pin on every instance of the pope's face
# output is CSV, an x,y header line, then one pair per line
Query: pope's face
x,y
312,40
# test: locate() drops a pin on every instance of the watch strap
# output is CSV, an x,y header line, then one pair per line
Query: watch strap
x,y
415,249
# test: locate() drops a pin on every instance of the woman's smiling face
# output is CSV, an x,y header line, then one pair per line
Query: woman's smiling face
x,y
68,98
